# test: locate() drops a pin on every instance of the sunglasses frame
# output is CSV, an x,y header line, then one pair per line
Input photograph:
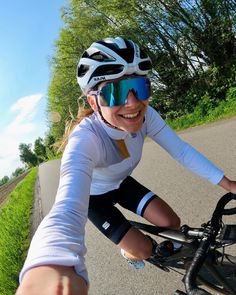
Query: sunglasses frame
x,y
99,92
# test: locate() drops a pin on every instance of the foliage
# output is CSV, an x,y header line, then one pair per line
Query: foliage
x,y
204,113
81,27
4,180
43,150
49,142
40,150
14,232
17,172
14,174
27,156
231,94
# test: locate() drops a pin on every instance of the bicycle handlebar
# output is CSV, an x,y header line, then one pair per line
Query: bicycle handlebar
x,y
224,200
209,235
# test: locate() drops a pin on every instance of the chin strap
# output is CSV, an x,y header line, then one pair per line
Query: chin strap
x,y
100,113
120,142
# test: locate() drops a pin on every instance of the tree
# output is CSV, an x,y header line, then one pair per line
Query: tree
x,y
27,156
18,172
40,150
191,43
4,180
83,25
49,142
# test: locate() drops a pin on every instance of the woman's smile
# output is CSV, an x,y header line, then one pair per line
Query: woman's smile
x,y
128,117
131,116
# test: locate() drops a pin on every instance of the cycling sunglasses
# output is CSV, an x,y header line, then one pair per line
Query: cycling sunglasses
x,y
115,93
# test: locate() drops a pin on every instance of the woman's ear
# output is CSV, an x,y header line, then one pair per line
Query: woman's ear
x,y
92,102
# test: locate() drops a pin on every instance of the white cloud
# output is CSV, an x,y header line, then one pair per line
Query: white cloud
x,y
23,129
26,109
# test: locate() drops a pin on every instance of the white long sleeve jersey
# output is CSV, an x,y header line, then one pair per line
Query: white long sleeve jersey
x,y
91,164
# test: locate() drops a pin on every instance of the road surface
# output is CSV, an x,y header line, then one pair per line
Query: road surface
x,y
193,199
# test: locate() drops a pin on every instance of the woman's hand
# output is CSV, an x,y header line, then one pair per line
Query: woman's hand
x,y
227,184
53,280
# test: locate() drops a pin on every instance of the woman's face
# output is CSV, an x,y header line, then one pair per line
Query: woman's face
x,y
128,117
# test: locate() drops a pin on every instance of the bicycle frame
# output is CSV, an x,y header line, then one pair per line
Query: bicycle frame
x,y
199,253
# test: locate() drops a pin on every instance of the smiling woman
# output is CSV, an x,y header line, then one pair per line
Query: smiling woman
x,y
102,151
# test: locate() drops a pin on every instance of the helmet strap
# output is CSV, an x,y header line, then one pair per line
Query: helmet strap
x,y
101,115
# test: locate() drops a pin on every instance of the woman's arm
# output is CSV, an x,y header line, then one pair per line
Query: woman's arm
x,y
228,184
55,259
180,150
52,279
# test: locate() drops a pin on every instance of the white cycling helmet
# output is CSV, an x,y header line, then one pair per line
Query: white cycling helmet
x,y
109,59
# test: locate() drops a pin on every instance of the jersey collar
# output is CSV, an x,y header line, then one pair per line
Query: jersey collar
x,y
112,132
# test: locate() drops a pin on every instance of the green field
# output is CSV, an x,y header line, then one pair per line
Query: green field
x,y
14,232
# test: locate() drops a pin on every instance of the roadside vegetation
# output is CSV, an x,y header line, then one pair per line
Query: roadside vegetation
x,y
32,156
204,114
14,232
16,173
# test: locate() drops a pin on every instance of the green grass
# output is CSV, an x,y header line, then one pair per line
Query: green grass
x,y
225,110
14,233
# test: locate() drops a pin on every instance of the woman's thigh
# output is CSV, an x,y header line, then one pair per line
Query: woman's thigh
x,y
139,199
135,197
113,224
159,213
107,218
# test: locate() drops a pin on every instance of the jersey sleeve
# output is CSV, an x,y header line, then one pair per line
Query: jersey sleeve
x,y
180,150
59,239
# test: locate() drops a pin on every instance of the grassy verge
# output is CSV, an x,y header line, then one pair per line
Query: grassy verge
x,y
224,110
14,232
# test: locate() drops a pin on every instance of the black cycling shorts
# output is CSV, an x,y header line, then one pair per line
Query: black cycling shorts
x,y
108,218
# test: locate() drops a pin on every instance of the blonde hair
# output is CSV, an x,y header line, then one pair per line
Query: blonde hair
x,y
84,111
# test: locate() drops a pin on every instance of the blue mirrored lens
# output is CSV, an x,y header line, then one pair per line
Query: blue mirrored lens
x,y
115,93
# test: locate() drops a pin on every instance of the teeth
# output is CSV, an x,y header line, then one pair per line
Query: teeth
x,y
130,116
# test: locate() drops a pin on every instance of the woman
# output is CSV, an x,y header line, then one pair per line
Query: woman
x,y
102,151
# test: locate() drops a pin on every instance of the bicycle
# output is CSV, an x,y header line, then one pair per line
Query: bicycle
x,y
201,253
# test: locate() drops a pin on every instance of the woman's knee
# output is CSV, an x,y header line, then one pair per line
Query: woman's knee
x,y
136,244
175,222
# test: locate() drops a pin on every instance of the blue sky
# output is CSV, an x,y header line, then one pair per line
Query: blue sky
x,y
28,31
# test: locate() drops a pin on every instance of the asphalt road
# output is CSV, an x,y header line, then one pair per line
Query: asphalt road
x,y
193,199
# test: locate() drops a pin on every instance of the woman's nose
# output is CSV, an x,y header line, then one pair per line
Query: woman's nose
x,y
131,98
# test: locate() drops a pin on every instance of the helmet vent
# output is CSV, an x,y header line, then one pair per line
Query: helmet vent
x,y
99,56
82,70
107,70
145,65
126,53
143,54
